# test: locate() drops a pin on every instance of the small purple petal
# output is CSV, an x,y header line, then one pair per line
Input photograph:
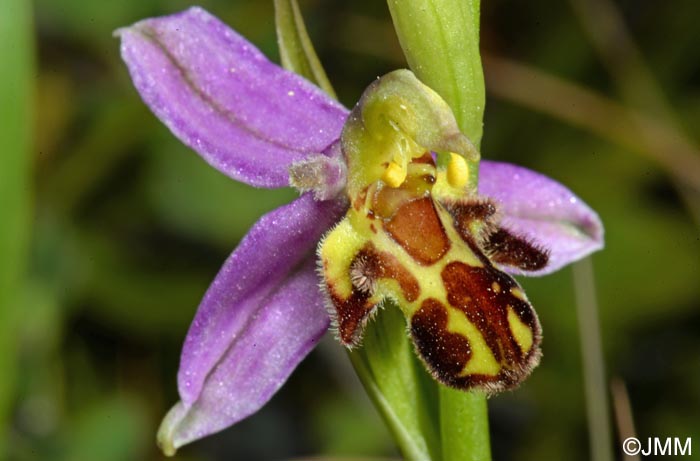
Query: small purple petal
x,y
272,250
276,337
324,175
542,210
247,117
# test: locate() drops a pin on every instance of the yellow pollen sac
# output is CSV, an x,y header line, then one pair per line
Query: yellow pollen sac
x,y
457,171
394,175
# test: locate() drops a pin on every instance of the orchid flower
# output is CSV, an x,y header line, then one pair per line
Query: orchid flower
x,y
397,166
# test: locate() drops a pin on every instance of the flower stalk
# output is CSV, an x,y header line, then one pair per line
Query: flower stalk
x,y
440,39
296,50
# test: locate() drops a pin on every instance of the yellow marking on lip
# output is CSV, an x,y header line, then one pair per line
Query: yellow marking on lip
x,y
518,293
482,361
495,287
521,332
430,280
337,250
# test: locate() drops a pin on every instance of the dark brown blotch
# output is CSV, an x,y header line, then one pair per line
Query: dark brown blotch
x,y
359,201
368,266
507,249
466,212
374,265
351,315
484,295
417,228
444,353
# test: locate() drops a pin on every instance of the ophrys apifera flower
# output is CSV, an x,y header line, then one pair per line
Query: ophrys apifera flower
x,y
393,201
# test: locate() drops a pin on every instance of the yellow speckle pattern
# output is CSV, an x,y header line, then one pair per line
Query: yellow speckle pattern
x,y
482,361
521,332
336,253
518,293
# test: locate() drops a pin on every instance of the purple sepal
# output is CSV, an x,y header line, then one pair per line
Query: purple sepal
x,y
272,250
246,116
542,210
260,357
259,318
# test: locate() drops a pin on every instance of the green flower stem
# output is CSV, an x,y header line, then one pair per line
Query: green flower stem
x,y
593,364
16,91
296,50
403,392
441,41
464,426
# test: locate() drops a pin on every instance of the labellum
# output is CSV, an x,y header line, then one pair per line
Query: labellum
x,y
416,233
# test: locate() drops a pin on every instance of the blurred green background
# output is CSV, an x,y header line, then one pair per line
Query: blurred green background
x,y
111,241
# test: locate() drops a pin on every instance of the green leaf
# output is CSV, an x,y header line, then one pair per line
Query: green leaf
x,y
440,39
111,429
403,392
296,51
15,163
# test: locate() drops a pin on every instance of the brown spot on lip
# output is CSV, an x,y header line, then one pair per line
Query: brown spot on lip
x,y
444,353
510,250
360,200
470,289
351,314
476,210
417,228
367,267
379,265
